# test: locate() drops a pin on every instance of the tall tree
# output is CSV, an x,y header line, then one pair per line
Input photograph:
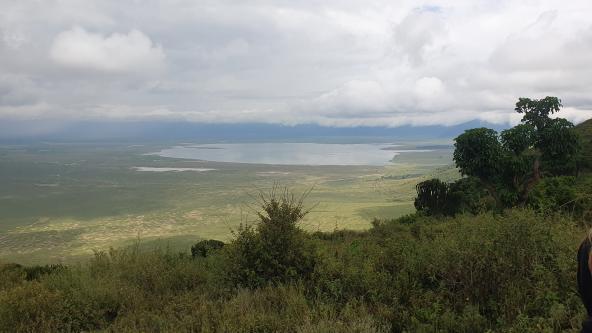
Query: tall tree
x,y
478,153
510,164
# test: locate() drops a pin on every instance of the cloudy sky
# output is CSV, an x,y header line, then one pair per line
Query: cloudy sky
x,y
333,63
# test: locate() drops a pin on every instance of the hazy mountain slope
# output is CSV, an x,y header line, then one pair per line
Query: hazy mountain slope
x,y
585,130
175,131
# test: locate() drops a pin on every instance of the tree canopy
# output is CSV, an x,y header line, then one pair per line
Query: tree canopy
x,y
511,163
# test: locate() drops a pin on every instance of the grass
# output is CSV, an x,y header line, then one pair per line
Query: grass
x,y
511,272
59,202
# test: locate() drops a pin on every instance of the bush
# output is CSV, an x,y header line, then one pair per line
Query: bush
x,y
11,275
37,271
276,250
466,195
554,194
510,272
505,268
32,307
432,197
206,247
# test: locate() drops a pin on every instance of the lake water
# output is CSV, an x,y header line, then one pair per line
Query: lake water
x,y
152,169
289,153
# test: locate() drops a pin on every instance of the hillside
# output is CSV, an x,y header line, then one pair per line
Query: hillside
x,y
159,132
512,273
585,131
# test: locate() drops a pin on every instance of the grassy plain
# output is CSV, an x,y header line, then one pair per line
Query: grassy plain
x,y
59,202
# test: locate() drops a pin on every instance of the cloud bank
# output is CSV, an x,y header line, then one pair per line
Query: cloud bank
x,y
340,63
115,53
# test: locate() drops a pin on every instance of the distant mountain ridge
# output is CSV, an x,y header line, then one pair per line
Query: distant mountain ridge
x,y
179,131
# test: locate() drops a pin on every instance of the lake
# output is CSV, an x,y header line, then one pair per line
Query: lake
x,y
290,153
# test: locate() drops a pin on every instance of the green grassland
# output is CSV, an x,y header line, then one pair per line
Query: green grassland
x,y
60,202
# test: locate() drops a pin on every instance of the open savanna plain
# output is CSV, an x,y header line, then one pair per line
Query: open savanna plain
x,y
61,202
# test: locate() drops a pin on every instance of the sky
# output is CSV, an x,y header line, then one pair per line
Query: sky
x,y
336,63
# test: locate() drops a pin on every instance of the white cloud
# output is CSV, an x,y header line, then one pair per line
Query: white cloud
x,y
427,88
114,53
420,34
354,98
13,39
345,63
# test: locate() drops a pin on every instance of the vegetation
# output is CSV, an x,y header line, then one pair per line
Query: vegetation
x,y
276,250
465,274
59,202
509,165
206,247
471,259
465,195
585,131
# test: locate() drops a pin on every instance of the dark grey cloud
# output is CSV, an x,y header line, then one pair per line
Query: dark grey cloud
x,y
339,63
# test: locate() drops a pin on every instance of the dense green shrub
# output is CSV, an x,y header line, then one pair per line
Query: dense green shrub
x,y
37,271
206,247
465,195
504,267
276,250
511,272
554,194
32,307
432,197
11,275
467,274
585,131
511,163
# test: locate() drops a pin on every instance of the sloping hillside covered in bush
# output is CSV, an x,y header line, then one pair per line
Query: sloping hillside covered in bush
x,y
514,272
585,131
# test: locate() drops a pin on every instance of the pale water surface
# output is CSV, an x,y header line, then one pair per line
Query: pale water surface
x,y
153,169
289,153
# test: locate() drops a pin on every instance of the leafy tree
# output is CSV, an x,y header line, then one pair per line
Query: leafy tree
x,y
468,196
560,148
537,111
509,165
432,197
435,197
478,153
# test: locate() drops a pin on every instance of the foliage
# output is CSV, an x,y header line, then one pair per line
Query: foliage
x,y
584,130
432,197
509,165
537,112
206,247
478,272
468,196
560,147
565,194
276,250
477,153
465,195
471,273
554,194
